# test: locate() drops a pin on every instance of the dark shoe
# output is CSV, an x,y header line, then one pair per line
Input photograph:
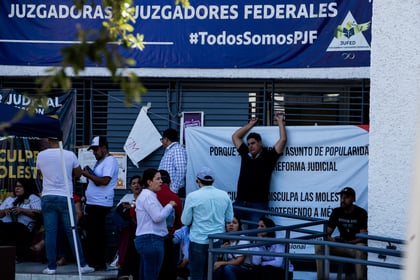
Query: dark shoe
x,y
61,261
100,267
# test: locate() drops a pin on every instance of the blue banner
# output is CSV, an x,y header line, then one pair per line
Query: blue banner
x,y
28,133
209,34
61,106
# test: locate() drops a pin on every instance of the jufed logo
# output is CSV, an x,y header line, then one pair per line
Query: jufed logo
x,y
349,36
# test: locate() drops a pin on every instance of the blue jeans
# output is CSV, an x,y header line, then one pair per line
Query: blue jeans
x,y
198,260
150,249
232,272
55,213
249,215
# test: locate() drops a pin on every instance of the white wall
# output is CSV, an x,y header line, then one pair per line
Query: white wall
x,y
301,73
395,87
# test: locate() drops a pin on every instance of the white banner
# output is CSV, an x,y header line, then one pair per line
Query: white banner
x,y
318,161
143,139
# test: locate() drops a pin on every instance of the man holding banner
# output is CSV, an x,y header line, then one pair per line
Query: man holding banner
x,y
257,165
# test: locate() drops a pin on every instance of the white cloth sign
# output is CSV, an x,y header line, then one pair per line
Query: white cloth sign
x,y
318,161
143,139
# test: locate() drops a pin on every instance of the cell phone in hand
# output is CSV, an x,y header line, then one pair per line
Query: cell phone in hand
x,y
89,170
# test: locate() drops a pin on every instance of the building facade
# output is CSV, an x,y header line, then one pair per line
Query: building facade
x,y
384,94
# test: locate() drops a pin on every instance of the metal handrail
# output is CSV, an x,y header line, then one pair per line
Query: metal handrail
x,y
380,238
306,239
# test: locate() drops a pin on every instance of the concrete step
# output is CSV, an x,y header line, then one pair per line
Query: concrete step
x,y
33,271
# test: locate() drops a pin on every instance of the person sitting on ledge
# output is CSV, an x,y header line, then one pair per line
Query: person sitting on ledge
x,y
19,215
350,219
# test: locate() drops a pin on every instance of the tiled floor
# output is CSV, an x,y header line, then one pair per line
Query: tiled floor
x,y
33,271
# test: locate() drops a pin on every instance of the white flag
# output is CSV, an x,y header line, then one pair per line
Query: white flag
x,y
143,139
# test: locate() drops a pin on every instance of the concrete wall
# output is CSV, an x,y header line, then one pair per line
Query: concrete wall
x,y
395,88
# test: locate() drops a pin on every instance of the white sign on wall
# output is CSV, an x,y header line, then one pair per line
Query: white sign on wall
x,y
87,158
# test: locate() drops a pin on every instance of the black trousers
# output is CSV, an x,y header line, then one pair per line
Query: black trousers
x,y
269,272
18,235
96,236
171,252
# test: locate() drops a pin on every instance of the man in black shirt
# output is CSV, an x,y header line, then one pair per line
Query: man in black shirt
x,y
257,165
350,219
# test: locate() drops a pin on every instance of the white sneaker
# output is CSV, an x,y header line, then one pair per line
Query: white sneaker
x,y
86,269
115,261
49,271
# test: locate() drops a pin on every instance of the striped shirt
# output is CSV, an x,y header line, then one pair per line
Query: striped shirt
x,y
175,162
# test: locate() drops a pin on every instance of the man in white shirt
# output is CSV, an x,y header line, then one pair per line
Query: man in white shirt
x,y
99,200
54,200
